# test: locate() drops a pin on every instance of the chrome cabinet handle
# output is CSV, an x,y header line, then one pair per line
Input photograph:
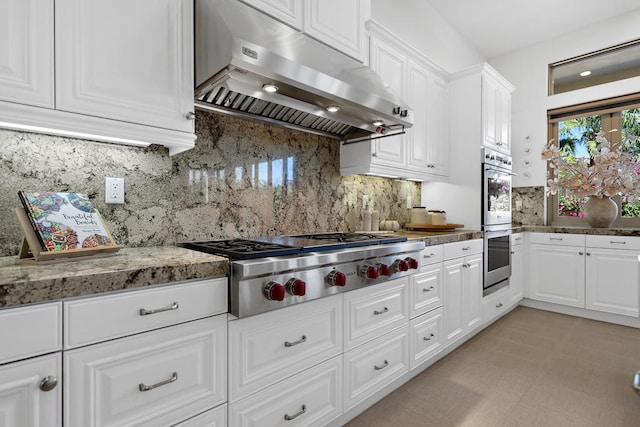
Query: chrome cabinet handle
x,y
428,256
384,310
555,238
300,341
145,312
466,248
513,253
288,417
613,242
588,253
580,253
190,115
428,338
374,154
48,383
380,367
498,305
428,290
143,387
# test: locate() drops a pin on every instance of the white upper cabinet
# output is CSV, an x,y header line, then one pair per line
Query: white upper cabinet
x,y
128,61
287,11
339,24
122,71
26,52
482,97
422,153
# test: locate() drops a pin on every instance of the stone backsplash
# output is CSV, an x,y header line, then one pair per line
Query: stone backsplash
x,y
242,179
532,210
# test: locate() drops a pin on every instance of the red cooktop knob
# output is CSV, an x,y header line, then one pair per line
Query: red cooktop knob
x,y
383,269
413,263
369,271
296,287
274,291
400,265
337,278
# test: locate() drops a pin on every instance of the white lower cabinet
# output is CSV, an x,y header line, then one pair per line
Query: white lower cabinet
x,y
31,392
373,311
462,294
496,304
425,337
310,398
372,366
516,281
269,347
157,378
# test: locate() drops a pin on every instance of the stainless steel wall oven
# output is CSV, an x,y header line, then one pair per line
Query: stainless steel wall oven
x,y
496,218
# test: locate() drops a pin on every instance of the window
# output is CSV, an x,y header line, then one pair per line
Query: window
x,y
574,129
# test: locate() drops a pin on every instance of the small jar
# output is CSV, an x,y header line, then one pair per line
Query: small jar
x,y
438,217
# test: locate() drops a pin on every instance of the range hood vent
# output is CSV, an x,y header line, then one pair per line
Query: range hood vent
x,y
239,51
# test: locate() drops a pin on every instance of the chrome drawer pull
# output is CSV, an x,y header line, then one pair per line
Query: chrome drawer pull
x,y
428,338
613,242
48,383
498,305
174,378
385,310
300,341
555,238
145,312
380,367
288,417
466,248
428,290
428,256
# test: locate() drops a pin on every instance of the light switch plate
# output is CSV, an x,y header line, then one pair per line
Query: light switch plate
x,y
114,190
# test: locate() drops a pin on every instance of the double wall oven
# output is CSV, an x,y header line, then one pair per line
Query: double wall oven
x,y
496,218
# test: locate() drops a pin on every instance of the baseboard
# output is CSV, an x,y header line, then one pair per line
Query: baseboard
x,y
618,319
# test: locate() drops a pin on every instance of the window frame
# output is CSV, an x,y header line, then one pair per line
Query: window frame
x,y
611,111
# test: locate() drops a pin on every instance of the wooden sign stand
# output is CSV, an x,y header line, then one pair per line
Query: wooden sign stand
x,y
31,250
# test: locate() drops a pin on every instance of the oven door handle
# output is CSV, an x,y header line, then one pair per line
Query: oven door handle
x,y
503,171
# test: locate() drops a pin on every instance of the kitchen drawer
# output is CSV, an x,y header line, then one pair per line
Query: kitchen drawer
x,y
214,418
269,347
22,402
104,383
495,305
426,337
517,239
464,248
558,239
426,289
311,398
30,331
375,310
431,255
95,319
613,242
372,366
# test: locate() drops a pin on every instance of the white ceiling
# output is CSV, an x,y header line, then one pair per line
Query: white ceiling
x,y
496,27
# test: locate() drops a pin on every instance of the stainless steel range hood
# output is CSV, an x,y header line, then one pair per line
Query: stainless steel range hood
x,y
239,51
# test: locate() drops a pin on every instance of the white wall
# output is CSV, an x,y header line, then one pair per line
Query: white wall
x,y
416,22
527,70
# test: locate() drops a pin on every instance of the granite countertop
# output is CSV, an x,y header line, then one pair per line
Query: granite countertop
x,y
431,238
581,230
29,282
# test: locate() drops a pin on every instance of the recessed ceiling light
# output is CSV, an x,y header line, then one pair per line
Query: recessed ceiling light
x,y
585,73
333,108
378,123
270,88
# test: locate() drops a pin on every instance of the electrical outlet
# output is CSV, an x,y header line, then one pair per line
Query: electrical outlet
x,y
114,190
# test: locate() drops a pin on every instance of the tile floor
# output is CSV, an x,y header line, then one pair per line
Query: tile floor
x,y
530,368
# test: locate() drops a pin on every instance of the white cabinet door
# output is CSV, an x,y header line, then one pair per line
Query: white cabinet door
x,y
438,127
157,378
375,364
557,274
310,398
417,137
516,281
472,308
426,289
612,281
426,337
391,65
503,124
496,115
269,347
287,11
26,52
128,61
23,403
339,24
